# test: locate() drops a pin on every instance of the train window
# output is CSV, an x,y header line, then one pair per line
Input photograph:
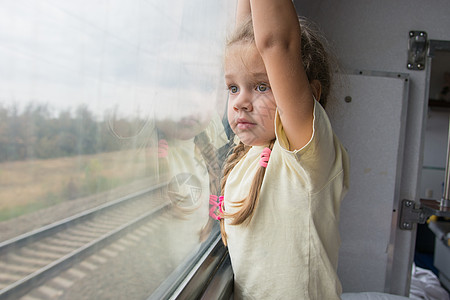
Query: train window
x,y
111,141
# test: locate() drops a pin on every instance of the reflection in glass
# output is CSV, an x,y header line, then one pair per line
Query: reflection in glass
x,y
102,103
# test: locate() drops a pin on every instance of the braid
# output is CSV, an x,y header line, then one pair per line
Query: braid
x,y
238,152
210,157
249,203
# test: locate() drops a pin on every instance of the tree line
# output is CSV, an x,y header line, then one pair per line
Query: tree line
x,y
35,133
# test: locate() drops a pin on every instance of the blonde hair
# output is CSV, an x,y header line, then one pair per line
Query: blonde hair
x,y
316,59
249,203
316,62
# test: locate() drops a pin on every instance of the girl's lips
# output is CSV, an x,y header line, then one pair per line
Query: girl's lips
x,y
244,124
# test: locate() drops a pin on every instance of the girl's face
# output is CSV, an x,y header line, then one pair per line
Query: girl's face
x,y
251,105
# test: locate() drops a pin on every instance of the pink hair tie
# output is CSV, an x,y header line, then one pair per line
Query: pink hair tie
x,y
265,155
163,148
216,203
221,204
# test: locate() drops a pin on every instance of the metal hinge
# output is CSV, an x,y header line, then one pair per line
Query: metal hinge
x,y
409,215
417,50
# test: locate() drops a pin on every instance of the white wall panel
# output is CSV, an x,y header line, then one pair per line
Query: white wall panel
x,y
370,124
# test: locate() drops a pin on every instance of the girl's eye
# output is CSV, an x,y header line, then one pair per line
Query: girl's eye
x,y
233,89
262,87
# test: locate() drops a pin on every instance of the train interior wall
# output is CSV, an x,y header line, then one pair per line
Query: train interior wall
x,y
373,36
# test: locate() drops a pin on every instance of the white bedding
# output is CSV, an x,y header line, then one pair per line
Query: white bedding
x,y
424,286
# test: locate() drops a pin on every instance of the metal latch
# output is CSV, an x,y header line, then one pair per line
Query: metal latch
x,y
409,215
417,50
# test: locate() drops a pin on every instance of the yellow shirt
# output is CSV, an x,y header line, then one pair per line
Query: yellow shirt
x,y
289,250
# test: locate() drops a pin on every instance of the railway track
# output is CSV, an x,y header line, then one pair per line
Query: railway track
x,y
29,260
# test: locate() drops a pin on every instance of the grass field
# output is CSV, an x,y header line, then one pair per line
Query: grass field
x,y
26,186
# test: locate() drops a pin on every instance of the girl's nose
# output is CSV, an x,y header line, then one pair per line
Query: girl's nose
x,y
243,102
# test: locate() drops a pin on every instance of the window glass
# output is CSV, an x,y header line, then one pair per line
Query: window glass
x,y
111,142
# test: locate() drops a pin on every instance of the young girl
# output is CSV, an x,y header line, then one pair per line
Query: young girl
x,y
285,179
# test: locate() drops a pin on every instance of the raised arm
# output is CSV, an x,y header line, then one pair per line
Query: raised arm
x,y
278,40
243,11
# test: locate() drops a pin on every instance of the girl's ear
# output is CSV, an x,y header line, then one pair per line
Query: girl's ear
x,y
316,88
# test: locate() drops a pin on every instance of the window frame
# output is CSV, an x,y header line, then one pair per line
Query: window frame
x,y
207,275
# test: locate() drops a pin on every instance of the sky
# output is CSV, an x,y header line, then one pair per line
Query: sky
x,y
147,57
